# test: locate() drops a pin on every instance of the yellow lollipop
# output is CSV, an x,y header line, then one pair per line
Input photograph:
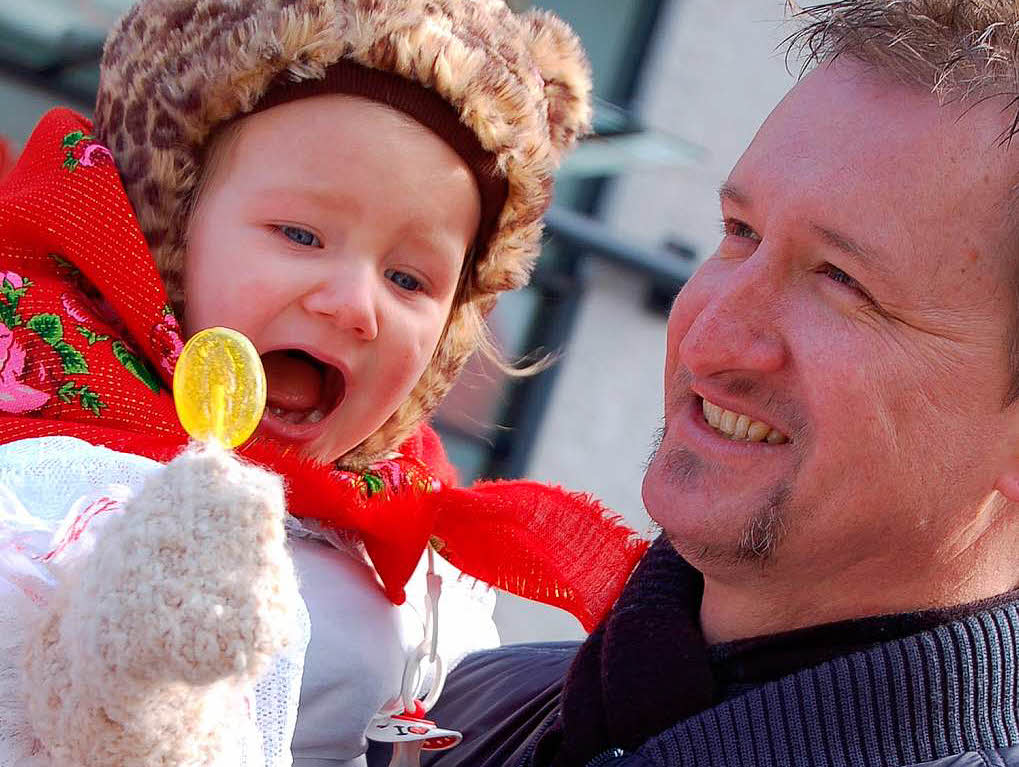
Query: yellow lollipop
x,y
219,387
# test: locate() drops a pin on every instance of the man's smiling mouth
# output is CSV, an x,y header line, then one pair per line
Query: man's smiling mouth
x,y
740,427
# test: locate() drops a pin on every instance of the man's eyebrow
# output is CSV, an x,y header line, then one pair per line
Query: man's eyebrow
x,y
728,192
858,252
869,257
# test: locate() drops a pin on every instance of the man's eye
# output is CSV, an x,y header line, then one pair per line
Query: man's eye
x,y
733,227
300,236
837,275
402,279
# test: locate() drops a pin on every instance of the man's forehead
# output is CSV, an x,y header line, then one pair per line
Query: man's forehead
x,y
849,95
846,141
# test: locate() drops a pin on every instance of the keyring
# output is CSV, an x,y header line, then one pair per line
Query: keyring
x,y
408,731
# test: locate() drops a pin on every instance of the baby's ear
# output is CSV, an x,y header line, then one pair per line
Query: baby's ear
x,y
560,58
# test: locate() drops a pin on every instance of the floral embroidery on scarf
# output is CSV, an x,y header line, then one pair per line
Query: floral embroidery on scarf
x,y
391,476
91,336
86,303
16,397
166,339
88,399
50,328
82,150
135,365
84,306
12,289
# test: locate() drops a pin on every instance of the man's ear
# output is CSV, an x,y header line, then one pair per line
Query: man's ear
x,y
1008,483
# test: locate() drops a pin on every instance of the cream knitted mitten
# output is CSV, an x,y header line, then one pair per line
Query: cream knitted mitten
x,y
147,649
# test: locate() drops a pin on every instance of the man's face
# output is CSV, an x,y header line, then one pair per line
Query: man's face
x,y
858,311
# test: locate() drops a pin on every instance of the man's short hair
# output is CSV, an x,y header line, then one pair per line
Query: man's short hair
x,y
964,51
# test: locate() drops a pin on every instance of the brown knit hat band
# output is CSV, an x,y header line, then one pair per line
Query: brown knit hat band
x,y
421,104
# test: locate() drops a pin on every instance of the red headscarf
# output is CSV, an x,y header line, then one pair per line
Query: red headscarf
x,y
6,158
88,343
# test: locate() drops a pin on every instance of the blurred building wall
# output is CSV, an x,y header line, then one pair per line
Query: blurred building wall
x,y
714,74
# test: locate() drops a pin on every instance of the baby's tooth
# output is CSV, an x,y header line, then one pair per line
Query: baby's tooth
x,y
742,424
315,416
758,431
775,437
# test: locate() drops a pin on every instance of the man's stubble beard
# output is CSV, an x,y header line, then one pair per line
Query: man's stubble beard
x,y
762,533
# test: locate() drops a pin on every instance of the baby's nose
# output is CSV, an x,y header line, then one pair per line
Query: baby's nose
x,y
348,301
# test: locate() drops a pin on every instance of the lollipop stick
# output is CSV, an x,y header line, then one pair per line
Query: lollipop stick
x,y
219,414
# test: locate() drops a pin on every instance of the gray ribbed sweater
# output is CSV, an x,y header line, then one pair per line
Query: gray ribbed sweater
x,y
928,696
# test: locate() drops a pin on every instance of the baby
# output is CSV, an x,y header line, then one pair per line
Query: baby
x,y
350,183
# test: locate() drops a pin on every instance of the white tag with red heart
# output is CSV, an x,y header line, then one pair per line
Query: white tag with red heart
x,y
401,728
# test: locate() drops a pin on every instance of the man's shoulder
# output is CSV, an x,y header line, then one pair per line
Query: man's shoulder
x,y
520,659
1008,757
1005,757
501,700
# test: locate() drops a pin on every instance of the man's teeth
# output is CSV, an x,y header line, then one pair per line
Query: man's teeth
x,y
737,426
298,416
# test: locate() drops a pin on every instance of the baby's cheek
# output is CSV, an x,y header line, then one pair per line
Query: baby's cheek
x,y
403,370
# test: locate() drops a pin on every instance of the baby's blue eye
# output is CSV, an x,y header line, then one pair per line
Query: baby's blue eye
x,y
300,236
404,280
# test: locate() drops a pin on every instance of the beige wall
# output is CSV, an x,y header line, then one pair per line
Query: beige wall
x,y
713,77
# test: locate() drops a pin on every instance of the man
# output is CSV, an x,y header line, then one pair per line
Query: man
x,y
838,477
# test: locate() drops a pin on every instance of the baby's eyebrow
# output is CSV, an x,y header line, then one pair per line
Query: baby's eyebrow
x,y
433,240
322,197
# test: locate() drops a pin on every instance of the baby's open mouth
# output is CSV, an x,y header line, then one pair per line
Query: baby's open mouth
x,y
301,388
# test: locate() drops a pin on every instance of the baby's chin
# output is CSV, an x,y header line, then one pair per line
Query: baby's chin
x,y
331,447
329,442
328,447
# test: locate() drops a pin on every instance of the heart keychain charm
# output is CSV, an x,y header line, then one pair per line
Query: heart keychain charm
x,y
410,735
408,731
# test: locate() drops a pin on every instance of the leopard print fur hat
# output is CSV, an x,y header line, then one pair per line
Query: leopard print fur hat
x,y
518,87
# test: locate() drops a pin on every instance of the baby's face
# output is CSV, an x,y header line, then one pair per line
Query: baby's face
x,y
332,232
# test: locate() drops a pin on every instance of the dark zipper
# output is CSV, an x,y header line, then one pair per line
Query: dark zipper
x,y
601,760
533,745
606,758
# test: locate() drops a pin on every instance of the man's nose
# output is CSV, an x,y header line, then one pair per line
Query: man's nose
x,y
347,297
735,331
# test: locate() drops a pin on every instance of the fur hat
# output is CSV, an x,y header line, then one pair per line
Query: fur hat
x,y
174,70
